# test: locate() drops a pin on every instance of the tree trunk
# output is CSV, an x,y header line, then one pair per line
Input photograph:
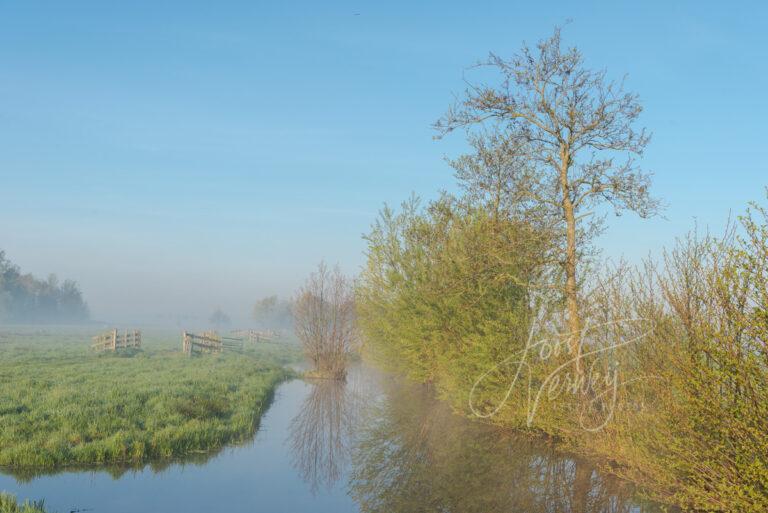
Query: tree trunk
x,y
571,287
582,488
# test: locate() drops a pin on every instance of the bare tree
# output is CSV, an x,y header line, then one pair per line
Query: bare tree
x,y
324,315
570,145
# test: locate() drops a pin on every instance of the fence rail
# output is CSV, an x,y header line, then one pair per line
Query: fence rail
x,y
112,340
257,336
209,342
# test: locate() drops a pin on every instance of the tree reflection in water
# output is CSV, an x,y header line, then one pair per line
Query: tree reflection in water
x,y
409,453
321,434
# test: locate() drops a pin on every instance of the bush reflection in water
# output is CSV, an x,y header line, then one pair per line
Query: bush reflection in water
x,y
408,453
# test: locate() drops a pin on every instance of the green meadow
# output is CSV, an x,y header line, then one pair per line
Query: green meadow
x,y
63,405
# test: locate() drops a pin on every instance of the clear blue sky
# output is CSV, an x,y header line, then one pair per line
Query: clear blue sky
x,y
175,156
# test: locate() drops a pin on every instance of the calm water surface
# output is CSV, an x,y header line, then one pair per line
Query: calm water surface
x,y
375,444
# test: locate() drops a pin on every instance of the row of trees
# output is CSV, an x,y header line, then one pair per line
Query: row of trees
x,y
269,312
25,299
498,295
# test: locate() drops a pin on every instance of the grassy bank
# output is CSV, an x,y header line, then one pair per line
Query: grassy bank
x,y
9,504
62,405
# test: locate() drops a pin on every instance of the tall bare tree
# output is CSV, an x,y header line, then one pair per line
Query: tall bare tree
x,y
324,317
567,140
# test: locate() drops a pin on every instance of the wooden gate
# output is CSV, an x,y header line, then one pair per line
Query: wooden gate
x,y
209,342
112,340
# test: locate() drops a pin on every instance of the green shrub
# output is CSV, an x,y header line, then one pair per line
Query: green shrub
x,y
445,293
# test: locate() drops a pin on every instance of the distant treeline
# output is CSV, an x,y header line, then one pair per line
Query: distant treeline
x,y
29,300
273,313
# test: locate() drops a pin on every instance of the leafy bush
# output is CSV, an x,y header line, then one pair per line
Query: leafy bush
x,y
445,291
702,436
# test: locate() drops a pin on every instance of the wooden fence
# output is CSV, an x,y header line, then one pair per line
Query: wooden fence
x,y
257,336
112,340
209,342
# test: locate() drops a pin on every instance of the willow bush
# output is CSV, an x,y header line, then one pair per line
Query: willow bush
x,y
445,291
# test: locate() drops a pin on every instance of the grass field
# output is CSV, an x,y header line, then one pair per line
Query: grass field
x,y
62,405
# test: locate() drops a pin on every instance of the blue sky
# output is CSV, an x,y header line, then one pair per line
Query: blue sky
x,y
177,156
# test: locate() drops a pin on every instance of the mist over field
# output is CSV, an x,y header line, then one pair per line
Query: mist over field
x,y
171,171
165,300
176,279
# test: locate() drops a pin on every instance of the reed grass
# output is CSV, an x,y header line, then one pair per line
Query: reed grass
x,y
9,504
